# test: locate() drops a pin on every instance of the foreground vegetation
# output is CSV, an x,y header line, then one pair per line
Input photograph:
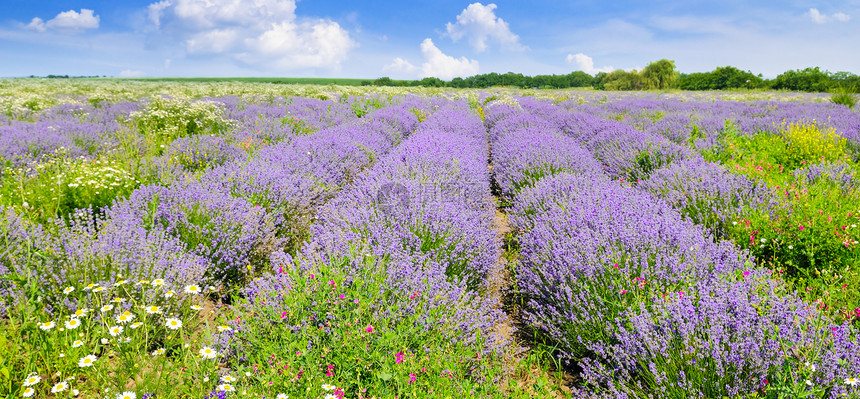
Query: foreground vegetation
x,y
193,239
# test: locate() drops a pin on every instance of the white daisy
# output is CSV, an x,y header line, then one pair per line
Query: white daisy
x,y
852,381
98,289
28,392
225,388
169,294
115,330
173,323
118,300
126,395
119,283
195,307
60,387
78,344
328,387
31,380
125,317
208,353
224,328
46,325
157,282
72,324
87,361
153,309
192,289
125,340
91,286
135,325
228,378
80,312
159,351
282,396
107,308
68,290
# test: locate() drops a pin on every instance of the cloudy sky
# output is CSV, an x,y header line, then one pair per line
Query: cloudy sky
x,y
410,39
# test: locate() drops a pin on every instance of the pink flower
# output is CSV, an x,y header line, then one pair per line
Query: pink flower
x,y
411,377
398,357
801,228
369,328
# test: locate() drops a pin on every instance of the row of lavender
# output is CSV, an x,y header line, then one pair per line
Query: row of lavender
x,y
645,301
394,280
209,228
424,214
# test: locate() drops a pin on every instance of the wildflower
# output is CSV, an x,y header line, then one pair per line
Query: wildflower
x,y
115,330
68,290
75,392
125,340
60,387
852,381
28,392
125,317
91,286
119,283
87,361
141,282
31,380
135,325
72,324
173,323
107,308
118,300
104,341
98,289
192,289
282,396
228,378
791,247
208,353
226,388
369,328
195,307
328,387
330,396
153,309
398,357
224,328
159,351
169,294
157,282
126,395
46,325
77,344
80,312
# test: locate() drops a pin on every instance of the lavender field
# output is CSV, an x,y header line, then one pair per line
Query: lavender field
x,y
212,240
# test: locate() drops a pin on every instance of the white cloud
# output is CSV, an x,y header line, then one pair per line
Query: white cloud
x,y
442,66
479,23
256,32
67,20
154,10
399,65
129,73
586,64
819,18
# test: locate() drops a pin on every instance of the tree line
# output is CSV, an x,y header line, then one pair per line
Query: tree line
x,y
661,74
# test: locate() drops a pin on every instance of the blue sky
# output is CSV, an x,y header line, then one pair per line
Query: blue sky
x,y
408,40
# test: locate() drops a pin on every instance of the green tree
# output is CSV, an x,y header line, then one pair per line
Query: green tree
x,y
659,75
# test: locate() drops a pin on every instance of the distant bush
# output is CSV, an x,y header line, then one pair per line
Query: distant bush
x,y
844,97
